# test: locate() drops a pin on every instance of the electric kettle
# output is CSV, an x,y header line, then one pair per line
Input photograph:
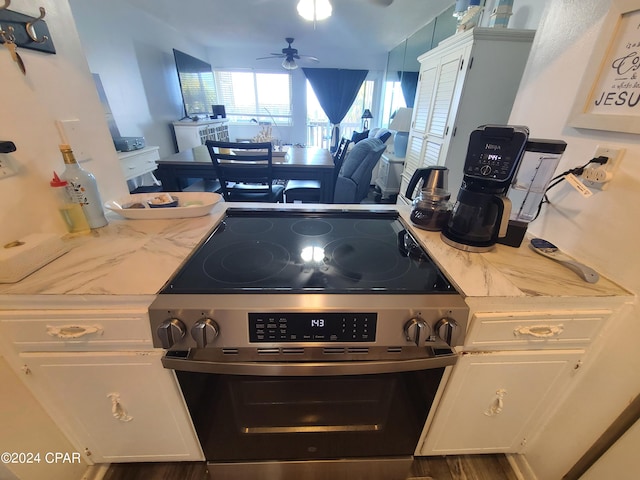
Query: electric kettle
x,y
430,210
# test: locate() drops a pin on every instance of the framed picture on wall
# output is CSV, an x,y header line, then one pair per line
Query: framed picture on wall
x,y
609,97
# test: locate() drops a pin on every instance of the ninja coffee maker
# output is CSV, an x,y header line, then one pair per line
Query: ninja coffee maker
x,y
481,212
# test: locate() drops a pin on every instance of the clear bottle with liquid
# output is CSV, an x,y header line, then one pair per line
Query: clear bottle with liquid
x,y
70,211
83,189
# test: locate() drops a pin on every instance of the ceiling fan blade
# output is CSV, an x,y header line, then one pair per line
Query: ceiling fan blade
x,y
382,3
273,55
308,57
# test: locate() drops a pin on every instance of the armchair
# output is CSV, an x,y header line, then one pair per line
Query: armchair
x,y
352,184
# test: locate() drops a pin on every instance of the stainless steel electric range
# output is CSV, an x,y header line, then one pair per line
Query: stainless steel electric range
x,y
309,344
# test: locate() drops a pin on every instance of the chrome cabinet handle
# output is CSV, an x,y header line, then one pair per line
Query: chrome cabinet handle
x,y
540,331
73,331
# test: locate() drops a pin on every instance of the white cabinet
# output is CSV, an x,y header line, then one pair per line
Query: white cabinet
x,y
494,400
516,367
191,134
388,176
138,162
118,406
98,376
470,79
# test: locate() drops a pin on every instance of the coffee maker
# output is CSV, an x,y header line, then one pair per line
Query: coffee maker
x,y
482,209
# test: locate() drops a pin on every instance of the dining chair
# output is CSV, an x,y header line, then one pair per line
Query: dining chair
x,y
308,191
245,171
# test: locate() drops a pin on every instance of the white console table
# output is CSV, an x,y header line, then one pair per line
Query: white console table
x,y
190,134
138,162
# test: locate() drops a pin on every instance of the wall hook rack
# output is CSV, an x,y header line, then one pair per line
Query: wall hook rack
x,y
30,32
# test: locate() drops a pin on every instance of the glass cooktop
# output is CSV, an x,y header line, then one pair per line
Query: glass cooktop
x,y
288,251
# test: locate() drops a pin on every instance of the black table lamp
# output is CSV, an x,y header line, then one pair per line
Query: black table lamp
x,y
366,115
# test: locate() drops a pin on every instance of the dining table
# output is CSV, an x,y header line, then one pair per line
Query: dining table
x,y
297,163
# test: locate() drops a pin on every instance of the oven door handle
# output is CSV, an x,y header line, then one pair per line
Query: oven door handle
x,y
290,369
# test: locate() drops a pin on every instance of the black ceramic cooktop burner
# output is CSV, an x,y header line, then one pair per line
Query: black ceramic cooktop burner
x,y
284,251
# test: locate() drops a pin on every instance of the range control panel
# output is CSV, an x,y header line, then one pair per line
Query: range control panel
x,y
312,327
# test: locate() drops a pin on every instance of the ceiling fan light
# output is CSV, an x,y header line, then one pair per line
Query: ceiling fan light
x,y
289,64
314,10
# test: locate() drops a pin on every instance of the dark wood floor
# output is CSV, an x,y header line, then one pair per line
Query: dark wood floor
x,y
466,467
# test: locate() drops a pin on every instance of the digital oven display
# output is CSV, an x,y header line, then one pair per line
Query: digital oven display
x,y
312,327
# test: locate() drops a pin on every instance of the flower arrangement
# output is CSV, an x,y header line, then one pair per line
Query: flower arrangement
x,y
264,135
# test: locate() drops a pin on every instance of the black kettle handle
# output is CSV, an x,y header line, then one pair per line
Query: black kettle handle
x,y
412,184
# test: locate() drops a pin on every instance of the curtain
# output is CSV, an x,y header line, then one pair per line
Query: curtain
x,y
336,89
409,85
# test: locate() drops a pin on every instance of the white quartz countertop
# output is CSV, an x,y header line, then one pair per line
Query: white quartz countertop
x,y
137,257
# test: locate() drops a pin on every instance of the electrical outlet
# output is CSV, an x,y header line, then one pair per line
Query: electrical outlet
x,y
599,176
6,169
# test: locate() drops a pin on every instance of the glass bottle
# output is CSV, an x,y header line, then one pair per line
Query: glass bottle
x,y
82,189
71,212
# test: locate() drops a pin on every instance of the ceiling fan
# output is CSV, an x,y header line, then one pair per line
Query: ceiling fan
x,y
290,55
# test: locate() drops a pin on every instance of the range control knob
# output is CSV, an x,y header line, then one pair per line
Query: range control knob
x,y
204,332
170,332
417,330
445,328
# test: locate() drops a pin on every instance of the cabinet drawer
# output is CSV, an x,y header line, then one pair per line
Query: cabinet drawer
x,y
134,164
73,330
547,329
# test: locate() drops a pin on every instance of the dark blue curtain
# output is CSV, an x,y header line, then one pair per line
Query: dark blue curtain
x,y
409,84
336,89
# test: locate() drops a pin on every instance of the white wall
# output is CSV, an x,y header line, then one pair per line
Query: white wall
x,y
526,13
602,231
55,87
133,54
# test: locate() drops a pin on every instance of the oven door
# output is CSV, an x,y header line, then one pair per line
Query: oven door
x,y
290,411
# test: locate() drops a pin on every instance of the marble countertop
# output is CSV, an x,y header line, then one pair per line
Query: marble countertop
x,y
136,257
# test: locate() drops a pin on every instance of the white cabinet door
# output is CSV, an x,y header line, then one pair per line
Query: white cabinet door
x,y
438,83
115,406
493,400
424,96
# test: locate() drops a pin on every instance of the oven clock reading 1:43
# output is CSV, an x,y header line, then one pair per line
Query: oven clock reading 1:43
x,y
317,322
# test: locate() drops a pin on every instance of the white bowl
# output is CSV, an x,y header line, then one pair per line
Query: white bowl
x,y
190,204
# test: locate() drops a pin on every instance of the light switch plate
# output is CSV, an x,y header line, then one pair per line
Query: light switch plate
x,y
71,132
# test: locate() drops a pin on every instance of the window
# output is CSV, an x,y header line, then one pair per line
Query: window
x,y
252,96
363,100
318,127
